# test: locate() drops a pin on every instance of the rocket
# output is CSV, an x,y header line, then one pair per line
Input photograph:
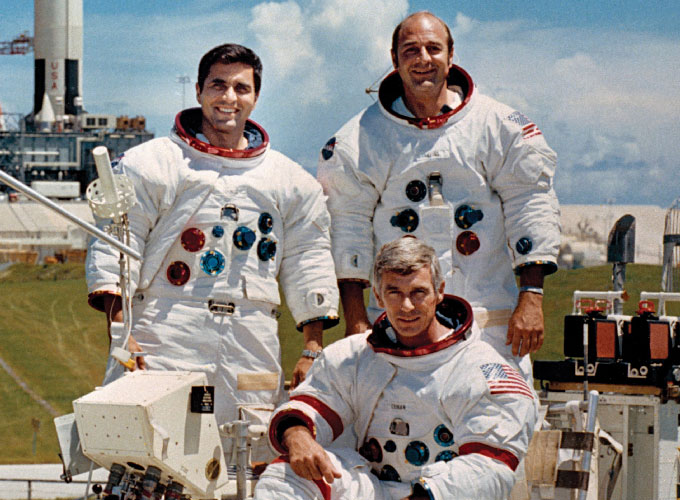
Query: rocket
x,y
58,49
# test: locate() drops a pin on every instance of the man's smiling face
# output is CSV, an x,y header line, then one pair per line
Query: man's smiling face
x,y
227,99
422,58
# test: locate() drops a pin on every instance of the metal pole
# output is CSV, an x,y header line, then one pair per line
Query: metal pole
x,y
89,228
618,280
89,479
593,398
585,360
241,458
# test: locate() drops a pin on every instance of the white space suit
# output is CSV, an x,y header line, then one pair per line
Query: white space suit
x,y
475,183
453,417
216,229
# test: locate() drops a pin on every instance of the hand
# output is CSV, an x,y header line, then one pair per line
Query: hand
x,y
300,372
133,347
525,329
307,458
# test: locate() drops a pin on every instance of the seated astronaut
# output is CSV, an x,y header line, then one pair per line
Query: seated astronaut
x,y
436,416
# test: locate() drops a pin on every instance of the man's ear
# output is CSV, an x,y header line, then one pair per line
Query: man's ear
x,y
198,93
440,292
394,59
451,58
378,298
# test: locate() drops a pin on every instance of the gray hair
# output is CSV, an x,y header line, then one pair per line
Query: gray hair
x,y
406,255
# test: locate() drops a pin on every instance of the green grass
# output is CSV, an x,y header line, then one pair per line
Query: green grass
x,y
56,343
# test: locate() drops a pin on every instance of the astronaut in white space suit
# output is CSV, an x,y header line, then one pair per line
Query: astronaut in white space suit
x,y
469,175
437,416
220,217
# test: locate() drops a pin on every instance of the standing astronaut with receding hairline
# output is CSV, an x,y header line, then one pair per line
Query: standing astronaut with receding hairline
x,y
467,174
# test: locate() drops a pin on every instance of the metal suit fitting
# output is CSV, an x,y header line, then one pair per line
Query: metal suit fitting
x,y
467,216
265,223
244,237
266,249
406,220
417,453
212,262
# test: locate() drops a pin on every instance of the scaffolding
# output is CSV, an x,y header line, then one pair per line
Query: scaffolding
x,y
59,156
20,45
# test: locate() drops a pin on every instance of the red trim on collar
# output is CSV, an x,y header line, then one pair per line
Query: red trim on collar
x,y
457,335
205,147
432,122
489,451
328,414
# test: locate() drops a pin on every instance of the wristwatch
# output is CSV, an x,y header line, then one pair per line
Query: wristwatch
x,y
306,353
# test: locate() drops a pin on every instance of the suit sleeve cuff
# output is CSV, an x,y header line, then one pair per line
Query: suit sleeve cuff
x,y
96,299
363,282
284,420
549,267
422,488
328,322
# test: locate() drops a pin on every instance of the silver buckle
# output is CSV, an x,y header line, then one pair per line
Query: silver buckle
x,y
226,308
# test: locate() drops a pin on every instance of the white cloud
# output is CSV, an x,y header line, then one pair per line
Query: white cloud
x,y
607,101
317,50
287,47
363,29
463,24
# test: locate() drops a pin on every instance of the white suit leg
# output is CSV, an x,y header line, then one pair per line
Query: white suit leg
x,y
279,482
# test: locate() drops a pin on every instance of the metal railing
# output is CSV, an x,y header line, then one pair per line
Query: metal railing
x,y
30,482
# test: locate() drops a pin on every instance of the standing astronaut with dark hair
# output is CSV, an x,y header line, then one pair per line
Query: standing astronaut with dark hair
x,y
221,220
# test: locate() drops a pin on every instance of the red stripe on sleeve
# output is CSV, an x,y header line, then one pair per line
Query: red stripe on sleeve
x,y
325,411
489,451
274,434
324,487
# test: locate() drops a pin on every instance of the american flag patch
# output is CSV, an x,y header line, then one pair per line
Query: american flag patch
x,y
115,161
503,379
529,128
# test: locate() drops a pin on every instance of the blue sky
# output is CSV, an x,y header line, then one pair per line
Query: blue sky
x,y
599,78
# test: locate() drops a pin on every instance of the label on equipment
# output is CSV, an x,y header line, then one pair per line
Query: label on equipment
x,y
203,399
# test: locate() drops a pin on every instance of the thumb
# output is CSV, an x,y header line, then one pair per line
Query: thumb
x,y
511,330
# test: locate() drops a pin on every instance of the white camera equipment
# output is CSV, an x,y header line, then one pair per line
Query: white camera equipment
x,y
153,428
